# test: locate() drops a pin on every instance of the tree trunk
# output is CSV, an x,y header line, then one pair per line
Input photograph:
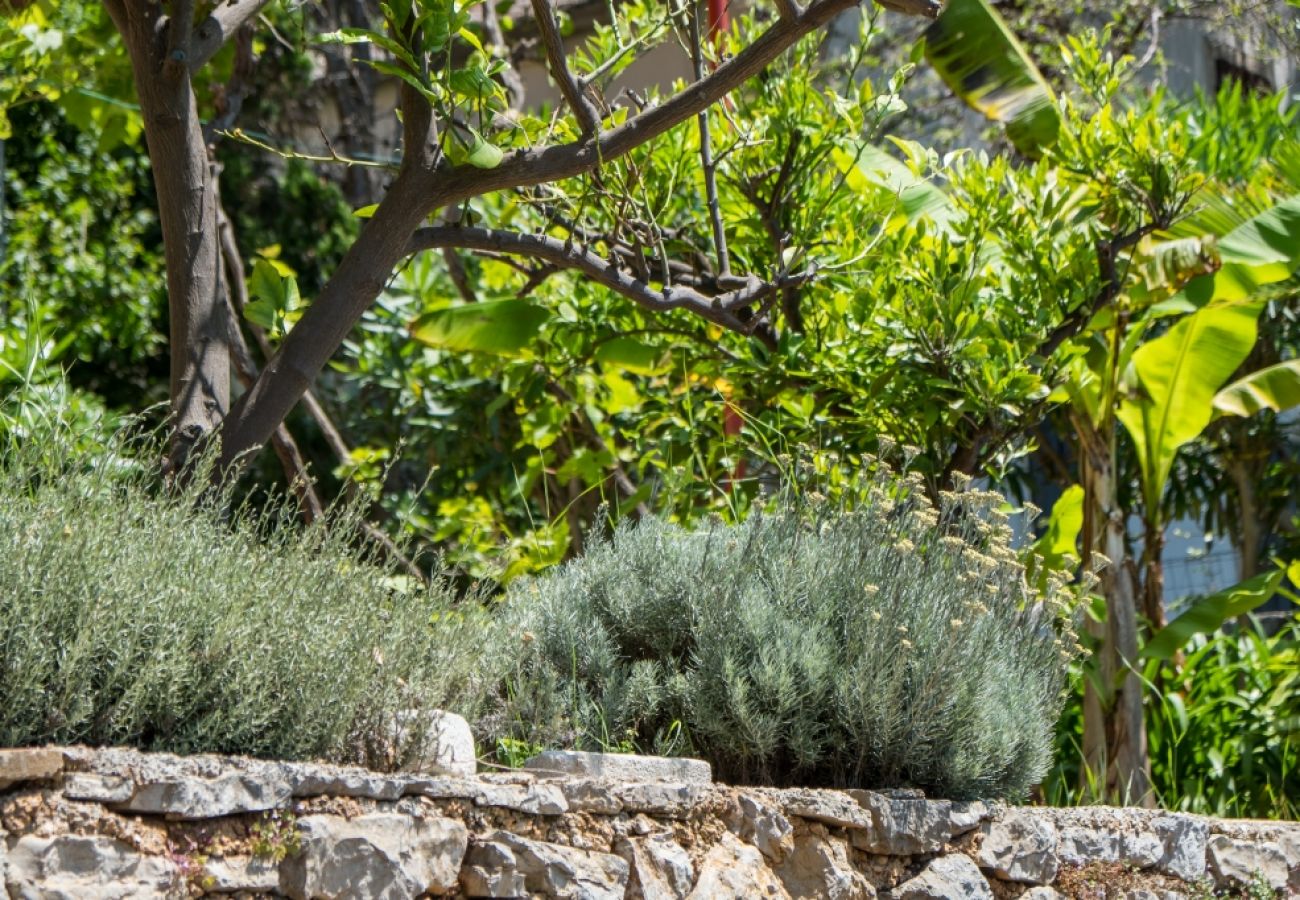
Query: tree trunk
x,y
1114,730
199,330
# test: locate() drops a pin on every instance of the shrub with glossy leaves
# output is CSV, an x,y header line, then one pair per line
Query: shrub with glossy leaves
x,y
892,644
130,614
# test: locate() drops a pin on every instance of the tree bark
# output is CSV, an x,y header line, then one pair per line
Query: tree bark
x,y
1114,728
199,326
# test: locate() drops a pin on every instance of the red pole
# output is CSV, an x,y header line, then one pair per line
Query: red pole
x,y
719,18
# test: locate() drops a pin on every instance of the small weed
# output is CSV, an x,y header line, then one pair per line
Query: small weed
x,y
191,863
513,752
275,836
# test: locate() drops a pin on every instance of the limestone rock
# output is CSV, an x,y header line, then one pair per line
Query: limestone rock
x,y
444,787
566,872
534,799
1020,845
732,870
1081,844
318,781
905,826
29,764
764,827
951,877
829,807
1042,893
444,743
383,855
819,867
1235,862
108,789
621,767
591,797
242,873
671,801
1185,841
491,870
73,867
211,798
660,869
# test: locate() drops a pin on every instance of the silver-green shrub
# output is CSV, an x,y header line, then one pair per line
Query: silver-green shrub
x,y
130,614
894,644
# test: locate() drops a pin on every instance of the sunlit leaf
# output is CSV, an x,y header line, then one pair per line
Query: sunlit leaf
x,y
502,327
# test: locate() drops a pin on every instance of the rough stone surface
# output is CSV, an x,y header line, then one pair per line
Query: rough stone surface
x,y
73,867
32,764
1019,846
229,875
732,870
819,867
829,807
535,799
383,855
446,744
763,826
659,867
210,798
110,823
669,800
566,872
946,878
620,767
491,870
1235,863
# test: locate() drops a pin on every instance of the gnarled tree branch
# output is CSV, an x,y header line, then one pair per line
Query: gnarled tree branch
x,y
216,29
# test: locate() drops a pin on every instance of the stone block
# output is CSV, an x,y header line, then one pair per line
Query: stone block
x,y
952,877
76,867
211,798
1020,845
29,764
669,801
1236,863
381,856
620,767
819,867
232,874
732,870
566,872
659,868
444,745
534,799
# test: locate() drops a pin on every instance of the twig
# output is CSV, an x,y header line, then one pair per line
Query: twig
x,y
583,109
706,153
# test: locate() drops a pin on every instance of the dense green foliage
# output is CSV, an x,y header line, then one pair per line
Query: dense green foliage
x,y
1223,735
893,644
130,615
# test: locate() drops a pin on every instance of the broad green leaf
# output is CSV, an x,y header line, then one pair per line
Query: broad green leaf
x,y
503,327
1062,536
1210,613
1261,251
632,355
877,171
1178,374
366,212
1276,388
980,60
483,154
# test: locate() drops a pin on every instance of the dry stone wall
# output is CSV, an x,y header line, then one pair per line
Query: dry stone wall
x,y
91,824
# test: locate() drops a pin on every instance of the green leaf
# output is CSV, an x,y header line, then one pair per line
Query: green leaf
x,y
1179,374
482,154
877,171
980,60
366,212
1062,536
632,355
1276,388
1262,251
1209,613
502,327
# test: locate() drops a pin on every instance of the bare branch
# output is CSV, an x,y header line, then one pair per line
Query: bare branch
x,y
583,109
706,153
213,31
514,84
727,309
